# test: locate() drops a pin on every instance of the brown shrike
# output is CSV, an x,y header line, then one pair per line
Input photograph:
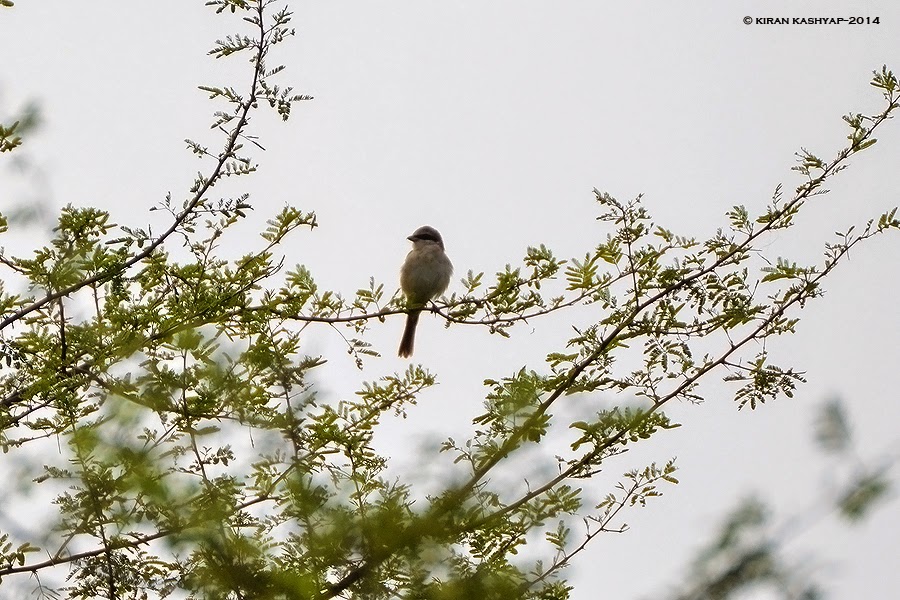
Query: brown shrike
x,y
425,275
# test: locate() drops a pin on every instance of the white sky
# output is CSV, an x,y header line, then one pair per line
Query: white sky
x,y
493,121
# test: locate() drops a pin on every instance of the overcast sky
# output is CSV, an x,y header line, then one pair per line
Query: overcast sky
x,y
493,121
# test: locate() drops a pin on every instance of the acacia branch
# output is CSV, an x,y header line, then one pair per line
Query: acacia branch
x,y
227,152
803,192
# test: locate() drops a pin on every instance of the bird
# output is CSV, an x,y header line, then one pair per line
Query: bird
x,y
425,275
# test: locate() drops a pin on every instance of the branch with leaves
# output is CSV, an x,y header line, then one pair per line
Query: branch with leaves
x,y
749,550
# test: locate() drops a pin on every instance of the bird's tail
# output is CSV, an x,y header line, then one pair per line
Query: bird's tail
x,y
409,334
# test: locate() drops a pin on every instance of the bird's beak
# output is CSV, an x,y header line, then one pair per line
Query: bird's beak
x,y
411,238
